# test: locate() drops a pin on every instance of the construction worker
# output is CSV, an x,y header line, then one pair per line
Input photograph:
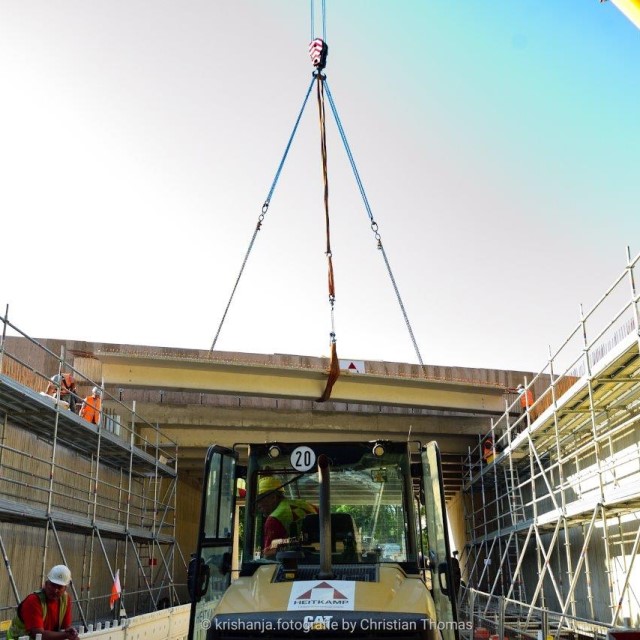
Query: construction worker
x,y
46,612
488,450
526,398
91,407
67,384
280,513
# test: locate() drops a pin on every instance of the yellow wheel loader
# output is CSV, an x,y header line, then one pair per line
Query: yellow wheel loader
x,y
334,540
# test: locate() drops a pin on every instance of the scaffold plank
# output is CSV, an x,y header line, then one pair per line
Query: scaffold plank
x,y
37,414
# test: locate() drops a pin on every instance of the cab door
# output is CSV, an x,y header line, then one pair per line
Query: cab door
x,y
210,568
439,549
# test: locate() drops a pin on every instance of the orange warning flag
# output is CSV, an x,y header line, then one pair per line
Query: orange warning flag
x,y
115,590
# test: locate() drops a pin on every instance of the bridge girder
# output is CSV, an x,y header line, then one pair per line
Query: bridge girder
x,y
272,381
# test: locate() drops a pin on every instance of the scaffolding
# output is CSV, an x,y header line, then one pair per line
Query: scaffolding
x,y
553,513
100,498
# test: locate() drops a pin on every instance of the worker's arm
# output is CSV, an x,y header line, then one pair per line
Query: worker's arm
x,y
274,532
67,634
271,551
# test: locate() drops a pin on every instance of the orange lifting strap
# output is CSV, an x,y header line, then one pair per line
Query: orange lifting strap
x,y
334,364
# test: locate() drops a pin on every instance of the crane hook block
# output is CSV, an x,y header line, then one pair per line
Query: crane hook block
x,y
318,51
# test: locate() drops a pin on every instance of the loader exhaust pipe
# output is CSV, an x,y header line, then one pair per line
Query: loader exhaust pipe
x,y
326,570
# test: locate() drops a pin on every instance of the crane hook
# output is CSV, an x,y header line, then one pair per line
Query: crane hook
x,y
318,51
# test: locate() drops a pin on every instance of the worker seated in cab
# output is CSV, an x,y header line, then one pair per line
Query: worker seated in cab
x,y
280,513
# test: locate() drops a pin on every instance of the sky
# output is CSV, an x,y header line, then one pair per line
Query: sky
x,y
497,144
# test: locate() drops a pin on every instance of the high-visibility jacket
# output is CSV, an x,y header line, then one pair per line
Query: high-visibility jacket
x,y
487,449
18,628
91,409
278,524
526,399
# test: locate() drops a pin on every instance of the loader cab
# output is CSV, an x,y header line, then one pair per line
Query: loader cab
x,y
370,504
345,510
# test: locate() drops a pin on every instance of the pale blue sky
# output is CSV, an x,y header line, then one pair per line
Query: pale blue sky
x,y
497,143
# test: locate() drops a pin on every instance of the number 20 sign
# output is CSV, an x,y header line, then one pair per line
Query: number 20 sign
x,y
303,458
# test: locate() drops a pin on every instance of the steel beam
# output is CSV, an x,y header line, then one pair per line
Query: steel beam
x,y
278,381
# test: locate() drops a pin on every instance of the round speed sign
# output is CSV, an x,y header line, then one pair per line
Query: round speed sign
x,y
303,458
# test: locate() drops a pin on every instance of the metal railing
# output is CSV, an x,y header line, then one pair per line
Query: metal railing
x,y
506,618
103,494
564,467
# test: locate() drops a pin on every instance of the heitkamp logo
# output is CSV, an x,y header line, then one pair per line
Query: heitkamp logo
x,y
322,590
324,594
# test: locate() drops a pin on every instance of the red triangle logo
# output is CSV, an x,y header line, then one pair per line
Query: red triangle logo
x,y
323,585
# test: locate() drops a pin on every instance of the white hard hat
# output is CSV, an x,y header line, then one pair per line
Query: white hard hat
x,y
96,391
60,574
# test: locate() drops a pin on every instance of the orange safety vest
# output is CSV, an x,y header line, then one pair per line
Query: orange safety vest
x,y
526,399
91,409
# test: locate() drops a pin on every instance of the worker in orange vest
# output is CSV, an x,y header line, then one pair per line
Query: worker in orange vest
x,y
526,397
67,384
91,407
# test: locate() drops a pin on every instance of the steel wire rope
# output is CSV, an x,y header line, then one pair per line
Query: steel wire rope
x,y
374,224
324,20
263,213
